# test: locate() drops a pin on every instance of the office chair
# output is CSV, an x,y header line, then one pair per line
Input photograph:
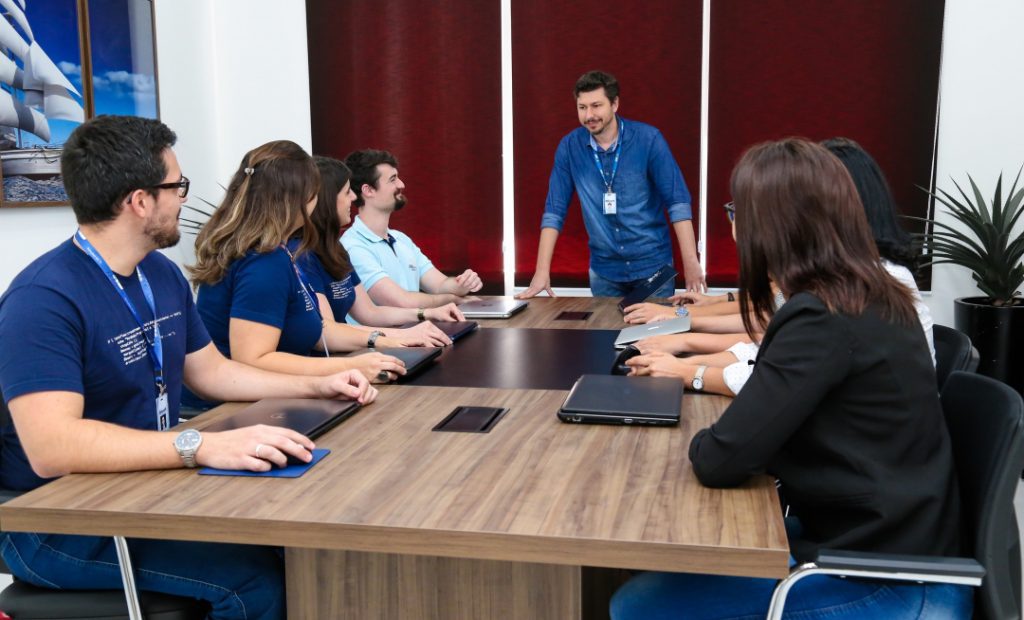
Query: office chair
x,y
986,424
24,600
953,351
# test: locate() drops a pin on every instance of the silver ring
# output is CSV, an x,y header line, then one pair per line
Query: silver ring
x,y
259,446
383,375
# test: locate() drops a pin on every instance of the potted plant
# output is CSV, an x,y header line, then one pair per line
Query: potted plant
x,y
988,240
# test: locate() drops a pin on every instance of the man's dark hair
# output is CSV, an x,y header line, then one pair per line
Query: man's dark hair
x,y
108,157
363,165
592,80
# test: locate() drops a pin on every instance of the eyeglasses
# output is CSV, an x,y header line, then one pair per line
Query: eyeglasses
x,y
181,186
730,210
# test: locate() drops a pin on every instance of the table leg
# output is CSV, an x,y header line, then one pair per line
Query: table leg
x,y
131,595
371,586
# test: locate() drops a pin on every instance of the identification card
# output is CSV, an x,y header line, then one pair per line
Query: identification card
x,y
609,203
163,412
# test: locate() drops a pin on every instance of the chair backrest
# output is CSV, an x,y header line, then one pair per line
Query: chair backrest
x,y
953,351
986,424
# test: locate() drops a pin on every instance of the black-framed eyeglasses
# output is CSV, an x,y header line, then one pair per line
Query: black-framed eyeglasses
x,y
730,210
181,186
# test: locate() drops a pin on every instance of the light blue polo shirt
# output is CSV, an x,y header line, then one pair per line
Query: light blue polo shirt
x,y
396,257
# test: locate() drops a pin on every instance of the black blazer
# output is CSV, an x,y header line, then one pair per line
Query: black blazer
x,y
844,411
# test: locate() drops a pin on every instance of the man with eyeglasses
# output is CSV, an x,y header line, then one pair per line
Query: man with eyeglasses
x,y
626,180
99,335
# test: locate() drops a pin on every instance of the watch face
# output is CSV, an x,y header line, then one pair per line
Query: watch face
x,y
698,383
187,440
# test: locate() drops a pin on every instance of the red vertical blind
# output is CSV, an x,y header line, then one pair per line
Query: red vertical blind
x,y
653,47
422,80
866,70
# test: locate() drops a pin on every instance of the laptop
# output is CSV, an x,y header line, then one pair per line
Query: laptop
x,y
614,399
659,328
308,416
648,287
453,329
492,308
415,358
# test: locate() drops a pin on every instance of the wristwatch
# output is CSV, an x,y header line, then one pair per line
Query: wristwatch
x,y
698,379
682,311
372,340
730,297
187,443
420,315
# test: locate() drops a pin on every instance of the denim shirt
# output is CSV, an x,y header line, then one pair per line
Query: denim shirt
x,y
635,242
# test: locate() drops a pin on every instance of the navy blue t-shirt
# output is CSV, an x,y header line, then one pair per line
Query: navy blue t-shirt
x,y
65,328
341,294
262,288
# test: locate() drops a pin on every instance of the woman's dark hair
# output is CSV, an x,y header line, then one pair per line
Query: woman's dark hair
x,y
894,243
334,175
267,196
800,223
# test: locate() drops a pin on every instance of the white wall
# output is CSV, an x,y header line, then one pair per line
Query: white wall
x,y
233,74
981,123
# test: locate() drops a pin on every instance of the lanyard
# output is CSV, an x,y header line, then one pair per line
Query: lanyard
x,y
154,347
310,293
615,163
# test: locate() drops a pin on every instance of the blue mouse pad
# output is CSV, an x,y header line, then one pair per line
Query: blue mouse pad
x,y
290,471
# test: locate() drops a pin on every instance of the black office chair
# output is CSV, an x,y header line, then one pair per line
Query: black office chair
x,y
24,600
953,351
986,423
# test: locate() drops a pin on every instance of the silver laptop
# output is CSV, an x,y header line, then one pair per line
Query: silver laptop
x,y
660,328
492,308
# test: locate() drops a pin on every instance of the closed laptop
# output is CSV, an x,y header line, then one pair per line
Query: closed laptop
x,y
659,328
308,416
452,329
415,358
492,308
648,287
614,399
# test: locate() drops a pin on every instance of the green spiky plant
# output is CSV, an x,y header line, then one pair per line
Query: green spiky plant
x,y
985,242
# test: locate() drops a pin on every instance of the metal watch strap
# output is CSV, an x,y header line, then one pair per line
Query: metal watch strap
x,y
372,340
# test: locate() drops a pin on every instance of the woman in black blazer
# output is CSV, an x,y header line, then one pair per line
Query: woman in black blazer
x,y
841,406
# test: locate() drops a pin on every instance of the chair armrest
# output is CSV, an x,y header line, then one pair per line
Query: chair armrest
x,y
954,568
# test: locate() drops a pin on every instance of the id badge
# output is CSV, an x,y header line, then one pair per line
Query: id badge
x,y
609,203
163,412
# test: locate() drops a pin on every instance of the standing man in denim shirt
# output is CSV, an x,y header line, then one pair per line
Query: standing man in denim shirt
x,y
625,175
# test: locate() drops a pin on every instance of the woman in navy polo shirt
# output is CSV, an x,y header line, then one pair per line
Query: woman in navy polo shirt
x,y
253,294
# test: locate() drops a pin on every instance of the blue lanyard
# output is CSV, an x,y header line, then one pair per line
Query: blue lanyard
x,y
310,294
154,347
615,163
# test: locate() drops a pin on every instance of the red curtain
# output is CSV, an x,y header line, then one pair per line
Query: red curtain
x,y
651,46
866,70
422,80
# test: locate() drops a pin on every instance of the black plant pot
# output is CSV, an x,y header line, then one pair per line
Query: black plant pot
x,y
998,334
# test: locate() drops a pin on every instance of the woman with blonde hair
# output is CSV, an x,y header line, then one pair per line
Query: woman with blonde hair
x,y
252,294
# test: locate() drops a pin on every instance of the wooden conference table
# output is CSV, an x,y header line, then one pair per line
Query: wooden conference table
x,y
402,522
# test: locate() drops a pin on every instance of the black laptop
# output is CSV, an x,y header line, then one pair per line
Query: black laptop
x,y
614,399
308,416
453,329
415,358
648,287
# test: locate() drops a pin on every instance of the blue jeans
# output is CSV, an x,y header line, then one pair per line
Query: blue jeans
x,y
243,582
656,596
601,287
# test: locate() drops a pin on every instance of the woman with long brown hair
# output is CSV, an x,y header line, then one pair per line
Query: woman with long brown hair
x,y
841,406
252,295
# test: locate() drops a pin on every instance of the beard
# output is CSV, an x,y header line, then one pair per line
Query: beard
x,y
163,234
400,201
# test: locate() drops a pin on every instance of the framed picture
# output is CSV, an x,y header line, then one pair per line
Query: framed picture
x,y
61,62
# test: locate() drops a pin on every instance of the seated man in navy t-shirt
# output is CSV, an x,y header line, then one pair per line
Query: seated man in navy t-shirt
x,y
99,334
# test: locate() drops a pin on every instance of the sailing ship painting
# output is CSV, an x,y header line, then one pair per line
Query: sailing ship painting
x,y
33,92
